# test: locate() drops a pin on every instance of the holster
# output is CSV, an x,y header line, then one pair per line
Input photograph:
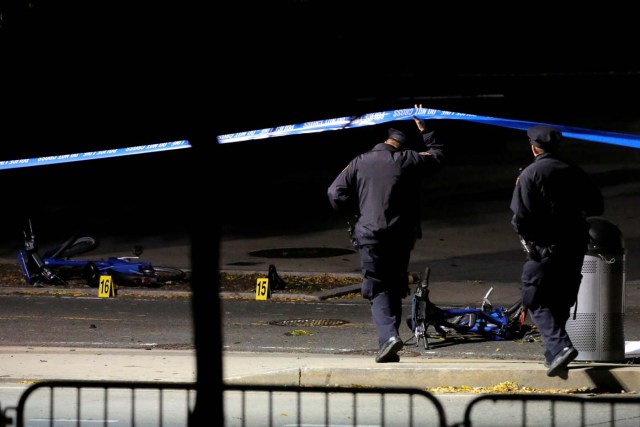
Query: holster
x,y
535,252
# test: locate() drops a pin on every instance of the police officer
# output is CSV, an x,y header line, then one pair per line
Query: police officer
x,y
550,203
382,189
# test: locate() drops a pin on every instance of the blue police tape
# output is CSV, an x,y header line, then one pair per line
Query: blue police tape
x,y
92,155
628,140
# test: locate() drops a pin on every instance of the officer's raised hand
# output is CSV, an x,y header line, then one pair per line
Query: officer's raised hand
x,y
422,126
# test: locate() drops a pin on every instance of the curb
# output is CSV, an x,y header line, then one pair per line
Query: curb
x,y
423,373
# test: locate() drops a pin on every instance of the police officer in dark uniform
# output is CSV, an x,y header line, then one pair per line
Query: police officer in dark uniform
x,y
551,201
382,188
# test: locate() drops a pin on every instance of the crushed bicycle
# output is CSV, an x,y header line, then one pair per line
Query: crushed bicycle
x,y
57,266
486,322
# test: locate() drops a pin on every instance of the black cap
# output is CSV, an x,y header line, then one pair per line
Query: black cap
x,y
397,135
545,137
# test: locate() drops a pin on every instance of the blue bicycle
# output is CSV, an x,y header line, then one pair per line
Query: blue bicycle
x,y
488,322
57,266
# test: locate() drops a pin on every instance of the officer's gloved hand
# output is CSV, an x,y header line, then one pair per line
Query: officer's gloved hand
x,y
421,123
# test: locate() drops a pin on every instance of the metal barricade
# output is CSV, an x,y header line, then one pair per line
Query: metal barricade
x,y
552,410
53,403
266,405
170,404
66,402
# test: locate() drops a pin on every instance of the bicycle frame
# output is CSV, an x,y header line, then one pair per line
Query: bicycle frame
x,y
491,323
57,268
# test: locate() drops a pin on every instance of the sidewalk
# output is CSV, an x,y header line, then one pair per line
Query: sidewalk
x,y
28,364
421,372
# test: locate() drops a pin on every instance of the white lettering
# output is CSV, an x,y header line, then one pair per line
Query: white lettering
x,y
312,124
138,148
323,123
283,128
372,116
405,112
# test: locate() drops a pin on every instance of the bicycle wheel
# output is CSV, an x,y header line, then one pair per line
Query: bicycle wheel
x,y
122,277
516,314
92,275
78,246
166,274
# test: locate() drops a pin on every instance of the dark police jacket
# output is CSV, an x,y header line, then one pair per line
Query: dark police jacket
x,y
551,201
381,187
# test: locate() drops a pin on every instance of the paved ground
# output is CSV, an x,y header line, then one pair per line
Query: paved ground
x,y
468,241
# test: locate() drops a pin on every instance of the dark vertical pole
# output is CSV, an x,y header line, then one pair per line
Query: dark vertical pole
x,y
205,241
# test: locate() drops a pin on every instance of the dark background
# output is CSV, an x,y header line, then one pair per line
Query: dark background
x,y
81,76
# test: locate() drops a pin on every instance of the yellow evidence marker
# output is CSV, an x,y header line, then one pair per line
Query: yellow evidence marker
x,y
263,291
106,287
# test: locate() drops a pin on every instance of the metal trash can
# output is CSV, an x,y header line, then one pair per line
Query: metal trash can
x,y
597,331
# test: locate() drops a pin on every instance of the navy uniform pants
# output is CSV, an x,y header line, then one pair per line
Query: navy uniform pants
x,y
385,283
550,289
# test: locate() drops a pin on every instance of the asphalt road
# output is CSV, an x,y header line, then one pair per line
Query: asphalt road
x,y
298,326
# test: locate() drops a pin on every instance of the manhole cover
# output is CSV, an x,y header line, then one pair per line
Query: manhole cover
x,y
309,322
301,252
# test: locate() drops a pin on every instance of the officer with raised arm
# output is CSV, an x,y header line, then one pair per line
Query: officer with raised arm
x,y
382,189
